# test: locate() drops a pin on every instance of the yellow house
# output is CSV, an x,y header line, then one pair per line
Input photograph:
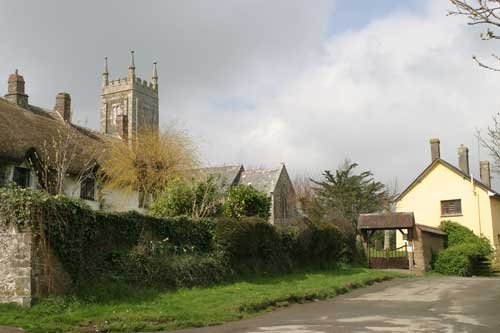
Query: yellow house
x,y
445,192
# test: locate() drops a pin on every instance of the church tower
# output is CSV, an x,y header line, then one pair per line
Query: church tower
x,y
128,104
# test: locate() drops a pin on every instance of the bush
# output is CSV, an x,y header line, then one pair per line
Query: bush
x,y
457,234
251,245
245,200
461,260
466,254
195,198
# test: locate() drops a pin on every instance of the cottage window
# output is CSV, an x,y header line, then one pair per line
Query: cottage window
x,y
143,200
87,188
451,207
21,176
3,175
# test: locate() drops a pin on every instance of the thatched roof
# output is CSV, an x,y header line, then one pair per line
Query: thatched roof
x,y
26,130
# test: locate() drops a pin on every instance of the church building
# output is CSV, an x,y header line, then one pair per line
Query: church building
x,y
128,105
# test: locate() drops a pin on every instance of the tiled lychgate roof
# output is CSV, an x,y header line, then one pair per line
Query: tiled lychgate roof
x,y
386,221
34,128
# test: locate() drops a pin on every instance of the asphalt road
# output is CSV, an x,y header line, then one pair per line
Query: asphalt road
x,y
446,304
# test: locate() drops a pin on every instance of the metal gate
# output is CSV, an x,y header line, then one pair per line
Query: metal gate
x,y
397,258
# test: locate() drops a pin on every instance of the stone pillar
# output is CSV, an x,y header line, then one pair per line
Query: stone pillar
x,y
15,266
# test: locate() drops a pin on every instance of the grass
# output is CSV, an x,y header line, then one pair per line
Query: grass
x,y
113,309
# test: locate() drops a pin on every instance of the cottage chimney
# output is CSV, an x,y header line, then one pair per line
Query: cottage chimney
x,y
484,171
435,149
63,106
15,90
463,159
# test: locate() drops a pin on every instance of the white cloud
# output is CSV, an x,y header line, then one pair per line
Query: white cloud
x,y
376,96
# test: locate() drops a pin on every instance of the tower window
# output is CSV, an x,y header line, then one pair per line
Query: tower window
x,y
22,176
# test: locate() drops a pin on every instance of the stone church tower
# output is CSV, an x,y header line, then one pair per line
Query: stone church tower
x,y
128,104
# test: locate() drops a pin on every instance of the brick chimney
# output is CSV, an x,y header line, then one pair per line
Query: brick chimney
x,y
435,150
122,126
15,90
484,171
463,159
63,106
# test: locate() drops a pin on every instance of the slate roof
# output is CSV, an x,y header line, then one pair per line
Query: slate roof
x,y
262,179
431,230
452,168
22,130
226,175
386,221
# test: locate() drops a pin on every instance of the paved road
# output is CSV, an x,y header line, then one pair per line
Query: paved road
x,y
415,305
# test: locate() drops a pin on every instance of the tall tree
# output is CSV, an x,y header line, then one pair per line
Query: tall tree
x,y
350,193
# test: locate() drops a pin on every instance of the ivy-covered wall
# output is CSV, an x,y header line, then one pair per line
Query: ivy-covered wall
x,y
56,244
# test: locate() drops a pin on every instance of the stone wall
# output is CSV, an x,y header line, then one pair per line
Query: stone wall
x,y
15,266
424,245
28,268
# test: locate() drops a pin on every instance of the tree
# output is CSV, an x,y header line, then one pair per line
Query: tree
x,y
196,198
245,200
481,12
350,194
150,162
61,154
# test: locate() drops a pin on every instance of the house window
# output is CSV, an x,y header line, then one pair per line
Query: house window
x,y
21,176
143,200
3,175
451,207
87,189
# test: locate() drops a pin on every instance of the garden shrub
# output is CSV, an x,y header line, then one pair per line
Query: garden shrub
x,y
251,245
195,198
245,200
466,254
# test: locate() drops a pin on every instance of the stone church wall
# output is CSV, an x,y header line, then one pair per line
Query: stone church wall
x,y
284,200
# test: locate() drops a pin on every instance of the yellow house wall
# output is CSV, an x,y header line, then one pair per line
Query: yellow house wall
x,y
495,211
441,183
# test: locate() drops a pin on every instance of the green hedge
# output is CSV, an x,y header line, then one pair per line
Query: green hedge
x,y
466,254
173,252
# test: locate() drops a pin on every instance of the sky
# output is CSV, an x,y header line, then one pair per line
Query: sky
x,y
261,82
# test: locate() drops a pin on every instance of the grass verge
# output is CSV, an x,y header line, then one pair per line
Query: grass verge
x,y
119,309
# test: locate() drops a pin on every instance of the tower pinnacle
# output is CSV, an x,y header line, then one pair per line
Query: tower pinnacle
x,y
154,79
105,74
131,67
